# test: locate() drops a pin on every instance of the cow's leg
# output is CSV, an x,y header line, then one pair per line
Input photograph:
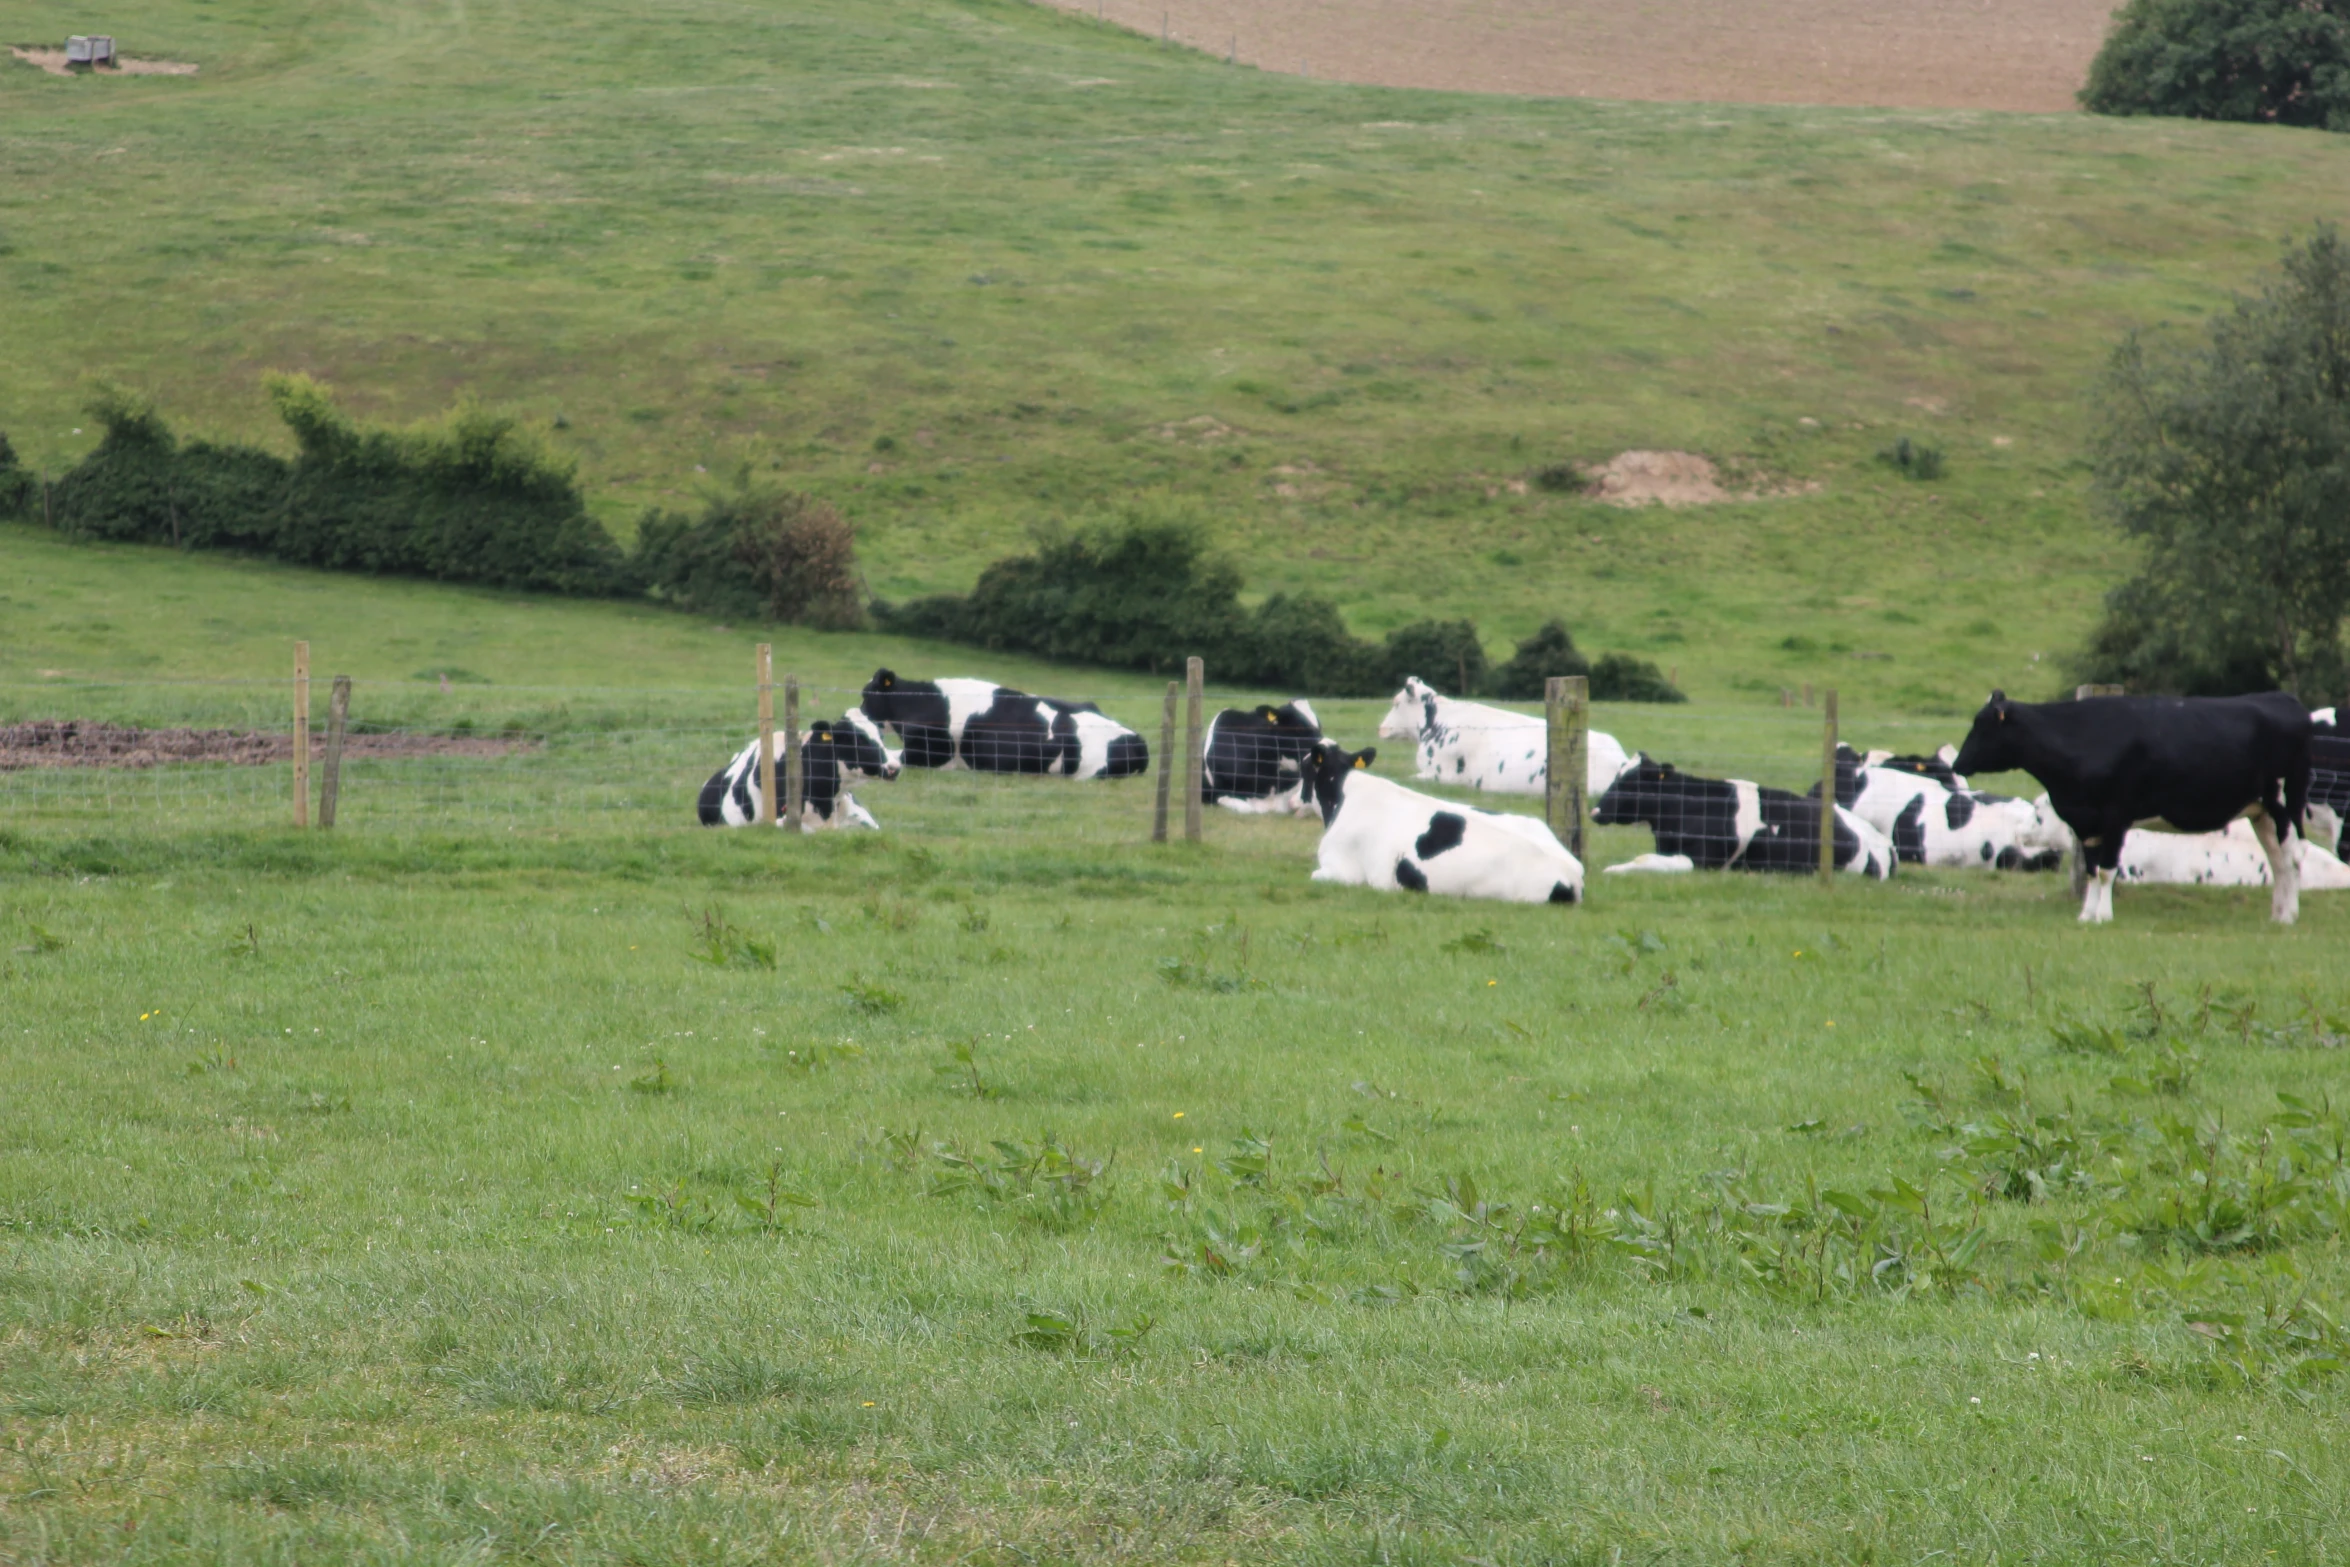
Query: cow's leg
x,y
2284,872
2101,854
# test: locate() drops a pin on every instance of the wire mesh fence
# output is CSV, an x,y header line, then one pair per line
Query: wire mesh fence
x,y
177,755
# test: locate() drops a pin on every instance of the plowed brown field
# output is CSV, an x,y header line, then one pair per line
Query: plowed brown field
x,y
2026,55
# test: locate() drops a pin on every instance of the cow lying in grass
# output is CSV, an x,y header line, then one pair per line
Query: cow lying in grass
x,y
1730,824
829,753
2193,764
994,729
1253,757
2231,858
1932,817
1379,834
1473,746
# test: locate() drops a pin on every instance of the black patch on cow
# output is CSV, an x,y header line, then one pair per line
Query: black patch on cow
x,y
1445,831
917,710
1909,831
2012,858
1409,875
1014,736
1128,756
1252,753
1560,892
1958,811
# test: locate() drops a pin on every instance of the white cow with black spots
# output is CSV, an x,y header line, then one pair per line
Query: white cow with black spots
x,y
1381,835
1474,746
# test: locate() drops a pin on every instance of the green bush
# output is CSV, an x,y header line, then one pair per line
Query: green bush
x,y
2285,62
17,489
1550,651
1444,653
755,554
470,497
467,498
1619,677
1914,461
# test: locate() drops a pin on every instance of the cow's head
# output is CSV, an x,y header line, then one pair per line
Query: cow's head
x,y
1640,792
1994,744
1410,712
856,740
1323,775
880,701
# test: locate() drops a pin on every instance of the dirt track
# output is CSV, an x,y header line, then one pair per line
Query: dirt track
x,y
2029,55
72,743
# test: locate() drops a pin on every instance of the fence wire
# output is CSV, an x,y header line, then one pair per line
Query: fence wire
x,y
484,759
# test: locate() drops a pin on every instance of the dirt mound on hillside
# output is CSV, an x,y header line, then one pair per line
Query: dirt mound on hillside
x,y
1670,479
2030,55
75,743
53,61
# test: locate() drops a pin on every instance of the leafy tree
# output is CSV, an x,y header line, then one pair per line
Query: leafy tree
x,y
2229,462
2285,62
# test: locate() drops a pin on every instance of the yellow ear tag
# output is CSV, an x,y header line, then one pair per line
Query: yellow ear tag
x,y
1359,762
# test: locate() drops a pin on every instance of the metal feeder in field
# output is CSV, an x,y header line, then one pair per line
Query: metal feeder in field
x,y
92,49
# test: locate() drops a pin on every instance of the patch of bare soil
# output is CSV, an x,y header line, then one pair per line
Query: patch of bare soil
x,y
74,743
53,61
1669,479
2029,55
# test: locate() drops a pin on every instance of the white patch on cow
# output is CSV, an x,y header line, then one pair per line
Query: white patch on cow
x,y
739,805
2323,826
2097,901
2323,717
1512,858
1652,865
1474,746
872,731
1875,857
2235,857
1746,817
966,700
1305,710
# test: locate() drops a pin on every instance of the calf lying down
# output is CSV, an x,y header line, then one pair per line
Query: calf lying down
x,y
1376,833
1933,818
829,753
1732,824
2229,858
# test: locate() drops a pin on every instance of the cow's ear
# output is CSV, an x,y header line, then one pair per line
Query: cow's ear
x,y
1268,714
1998,697
1367,756
885,680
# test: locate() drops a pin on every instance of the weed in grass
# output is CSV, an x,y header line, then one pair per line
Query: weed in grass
x,y
1058,1333
962,1068
872,998
214,1060
1479,940
657,1081
774,1200
673,1209
720,944
2089,1039
40,939
1042,1181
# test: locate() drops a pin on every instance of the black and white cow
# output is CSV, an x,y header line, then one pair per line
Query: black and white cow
x,y
829,752
1730,824
2229,858
2192,764
1475,746
1933,818
1253,757
1379,834
994,729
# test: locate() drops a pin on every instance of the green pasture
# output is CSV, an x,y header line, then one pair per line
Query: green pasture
x,y
967,266
518,1175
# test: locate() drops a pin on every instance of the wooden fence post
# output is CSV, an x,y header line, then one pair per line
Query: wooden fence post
x,y
1194,677
794,783
1828,788
301,734
1166,765
1577,694
766,667
330,782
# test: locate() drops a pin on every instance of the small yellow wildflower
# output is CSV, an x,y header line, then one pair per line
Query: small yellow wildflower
x,y
1178,1115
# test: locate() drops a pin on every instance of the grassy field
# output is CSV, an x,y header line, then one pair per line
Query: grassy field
x,y
586,1187
965,267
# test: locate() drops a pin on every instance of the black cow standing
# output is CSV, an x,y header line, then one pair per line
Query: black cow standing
x,y
2191,764
1253,757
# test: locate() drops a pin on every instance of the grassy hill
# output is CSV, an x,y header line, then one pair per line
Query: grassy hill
x,y
965,267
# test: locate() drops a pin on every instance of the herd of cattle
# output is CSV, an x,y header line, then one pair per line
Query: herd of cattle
x,y
2222,791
